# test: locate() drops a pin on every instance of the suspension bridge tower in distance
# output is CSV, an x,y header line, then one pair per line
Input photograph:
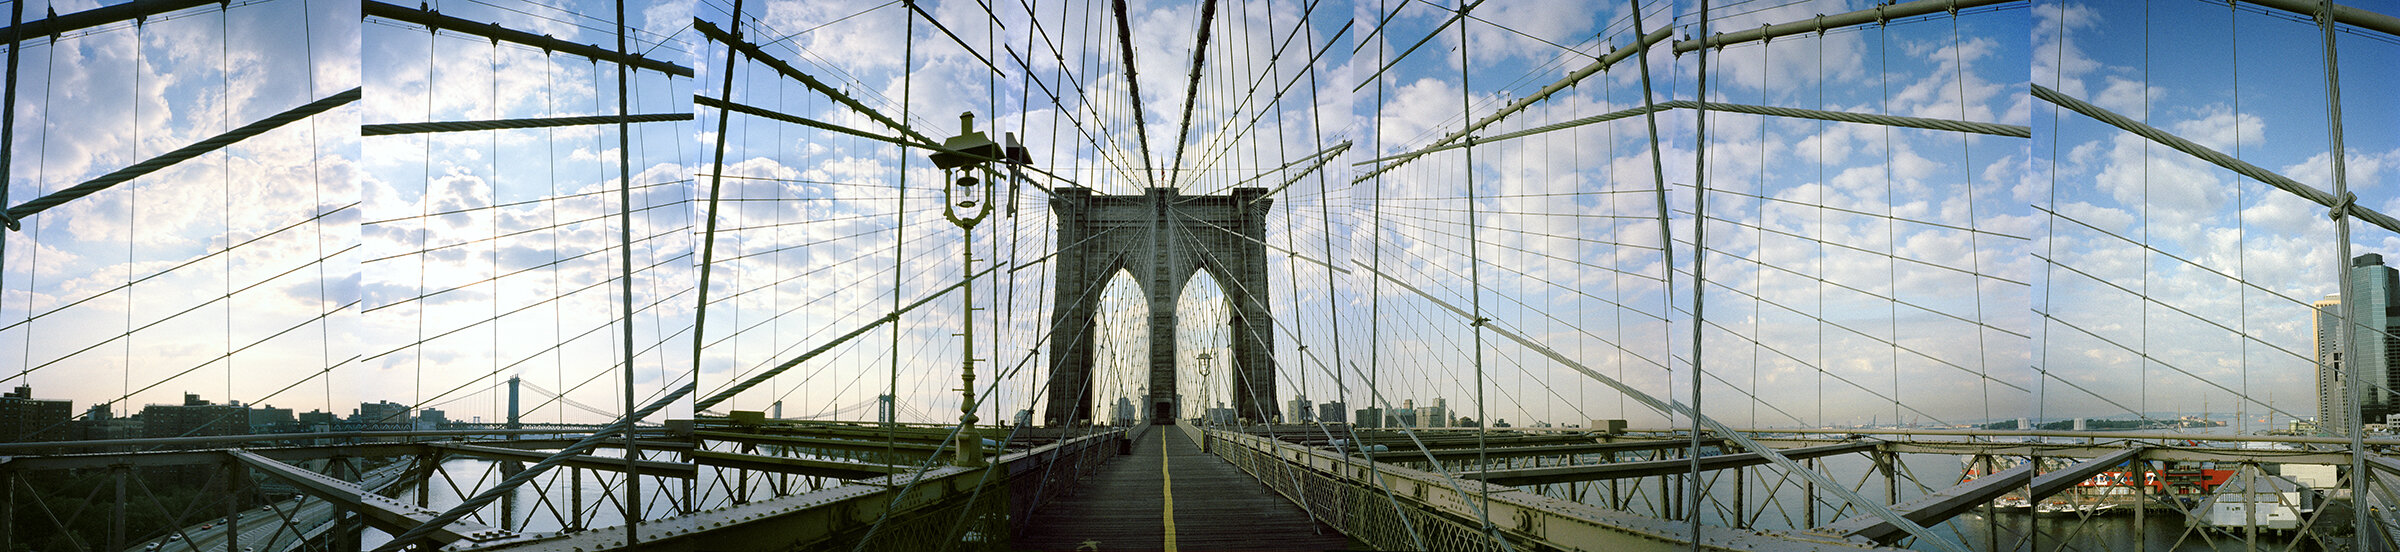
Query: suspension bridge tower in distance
x,y
1160,238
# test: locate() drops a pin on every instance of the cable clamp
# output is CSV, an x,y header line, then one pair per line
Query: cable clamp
x,y
2341,208
1480,322
10,221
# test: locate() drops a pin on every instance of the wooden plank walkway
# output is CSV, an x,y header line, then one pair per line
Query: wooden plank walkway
x,y
1170,496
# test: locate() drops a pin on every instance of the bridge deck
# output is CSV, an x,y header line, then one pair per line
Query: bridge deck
x,y
1214,506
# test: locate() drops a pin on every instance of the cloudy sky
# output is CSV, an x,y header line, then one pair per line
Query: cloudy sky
x,y
1846,273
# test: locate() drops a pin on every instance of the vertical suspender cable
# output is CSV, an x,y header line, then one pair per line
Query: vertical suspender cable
x,y
2341,233
633,478
890,413
716,186
1699,266
8,121
1474,282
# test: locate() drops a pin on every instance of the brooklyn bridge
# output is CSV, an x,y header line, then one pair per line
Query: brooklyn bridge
x,y
1236,275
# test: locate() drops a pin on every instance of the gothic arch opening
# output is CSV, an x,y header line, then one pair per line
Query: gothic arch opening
x,y
1204,335
1121,351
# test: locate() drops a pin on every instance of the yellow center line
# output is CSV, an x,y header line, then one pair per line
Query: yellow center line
x,y
1164,475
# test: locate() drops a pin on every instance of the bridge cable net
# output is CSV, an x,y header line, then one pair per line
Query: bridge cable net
x,y
179,236
2190,274
527,244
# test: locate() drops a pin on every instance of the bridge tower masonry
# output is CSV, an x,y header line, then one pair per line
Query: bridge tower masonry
x,y
1161,239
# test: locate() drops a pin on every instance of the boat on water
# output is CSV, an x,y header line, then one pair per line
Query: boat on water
x,y
2113,491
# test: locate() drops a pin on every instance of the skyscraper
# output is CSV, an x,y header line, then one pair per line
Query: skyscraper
x,y
2375,286
2333,402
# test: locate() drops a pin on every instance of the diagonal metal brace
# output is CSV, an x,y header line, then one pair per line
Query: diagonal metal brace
x,y
382,512
508,486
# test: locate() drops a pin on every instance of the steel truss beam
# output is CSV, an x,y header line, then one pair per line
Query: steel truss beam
x,y
859,445
677,470
797,466
2051,483
1821,23
380,511
434,20
1933,509
507,486
345,436
1925,537
1624,470
1448,454
387,129
1550,522
819,519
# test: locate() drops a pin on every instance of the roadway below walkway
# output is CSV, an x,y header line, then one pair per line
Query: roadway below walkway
x,y
1168,495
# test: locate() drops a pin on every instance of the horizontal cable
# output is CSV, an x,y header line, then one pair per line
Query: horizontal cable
x,y
601,218
388,129
528,306
1861,250
179,314
1877,296
137,170
186,263
552,263
1889,343
2178,310
1858,212
2145,355
511,204
753,381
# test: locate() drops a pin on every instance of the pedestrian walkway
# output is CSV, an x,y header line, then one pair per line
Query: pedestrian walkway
x,y
1170,496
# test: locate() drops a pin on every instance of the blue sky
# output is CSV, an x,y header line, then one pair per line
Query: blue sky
x,y
2204,68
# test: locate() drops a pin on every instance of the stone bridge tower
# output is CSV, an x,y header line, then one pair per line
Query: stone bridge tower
x,y
1161,238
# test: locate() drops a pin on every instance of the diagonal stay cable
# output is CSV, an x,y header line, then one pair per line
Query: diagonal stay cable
x,y
179,266
1191,92
1892,298
391,129
2320,197
196,149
